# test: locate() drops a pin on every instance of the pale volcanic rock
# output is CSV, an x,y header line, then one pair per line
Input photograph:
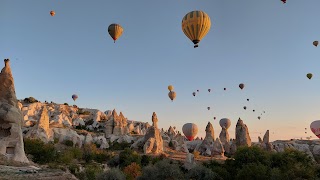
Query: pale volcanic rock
x,y
42,130
11,140
68,134
207,143
217,150
242,134
152,142
225,139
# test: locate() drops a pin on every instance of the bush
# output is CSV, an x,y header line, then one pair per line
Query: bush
x,y
202,173
162,170
253,171
119,146
132,171
196,154
42,153
171,144
68,143
74,168
91,172
129,156
112,174
145,160
81,112
66,104
30,100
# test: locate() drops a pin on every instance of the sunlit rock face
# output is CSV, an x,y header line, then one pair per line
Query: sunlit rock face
x,y
152,142
11,140
242,134
207,144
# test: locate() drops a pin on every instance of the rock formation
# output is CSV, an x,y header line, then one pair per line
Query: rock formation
x,y
233,147
11,140
42,130
266,143
207,143
116,125
225,139
189,162
217,150
242,134
152,142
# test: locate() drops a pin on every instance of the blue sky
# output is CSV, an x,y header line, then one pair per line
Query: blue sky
x,y
266,45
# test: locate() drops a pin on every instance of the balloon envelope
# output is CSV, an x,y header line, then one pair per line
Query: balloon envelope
x,y
241,86
52,13
172,95
190,130
115,31
209,90
195,25
315,128
225,122
315,43
74,97
194,94
170,87
309,75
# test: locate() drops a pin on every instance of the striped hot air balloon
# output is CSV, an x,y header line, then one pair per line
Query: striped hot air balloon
x,y
196,25
115,31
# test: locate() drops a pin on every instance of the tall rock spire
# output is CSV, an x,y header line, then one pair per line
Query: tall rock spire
x,y
11,140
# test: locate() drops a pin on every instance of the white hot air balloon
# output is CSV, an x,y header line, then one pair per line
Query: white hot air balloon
x,y
315,128
190,130
225,122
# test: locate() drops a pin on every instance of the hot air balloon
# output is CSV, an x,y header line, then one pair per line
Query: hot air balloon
x,y
170,87
309,75
198,90
225,122
74,97
195,25
172,95
247,99
253,110
241,86
190,130
315,128
52,13
214,118
209,90
115,31
224,88
244,107
284,1
315,43
194,94
208,108
259,117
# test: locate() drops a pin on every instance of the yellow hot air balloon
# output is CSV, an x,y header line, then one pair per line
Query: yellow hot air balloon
x,y
115,31
195,25
172,95
170,87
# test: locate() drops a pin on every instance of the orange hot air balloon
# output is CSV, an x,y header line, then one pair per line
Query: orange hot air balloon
x,y
115,31
172,95
190,130
52,13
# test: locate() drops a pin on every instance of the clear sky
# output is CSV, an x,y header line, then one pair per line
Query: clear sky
x,y
266,45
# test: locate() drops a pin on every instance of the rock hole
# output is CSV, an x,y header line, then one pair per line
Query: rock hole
x,y
10,150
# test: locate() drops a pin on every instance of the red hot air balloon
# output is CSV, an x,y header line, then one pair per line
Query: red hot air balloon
x,y
190,130
315,128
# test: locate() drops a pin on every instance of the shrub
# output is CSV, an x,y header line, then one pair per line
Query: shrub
x,y
248,155
145,160
253,171
42,153
81,112
102,156
128,156
30,100
202,173
66,104
91,172
89,151
171,144
196,154
112,174
68,142
90,122
119,146
132,171
74,168
162,170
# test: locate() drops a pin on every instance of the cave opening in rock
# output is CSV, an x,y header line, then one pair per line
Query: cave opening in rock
x,y
5,130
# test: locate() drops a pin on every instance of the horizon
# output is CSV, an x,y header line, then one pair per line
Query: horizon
x,y
265,45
